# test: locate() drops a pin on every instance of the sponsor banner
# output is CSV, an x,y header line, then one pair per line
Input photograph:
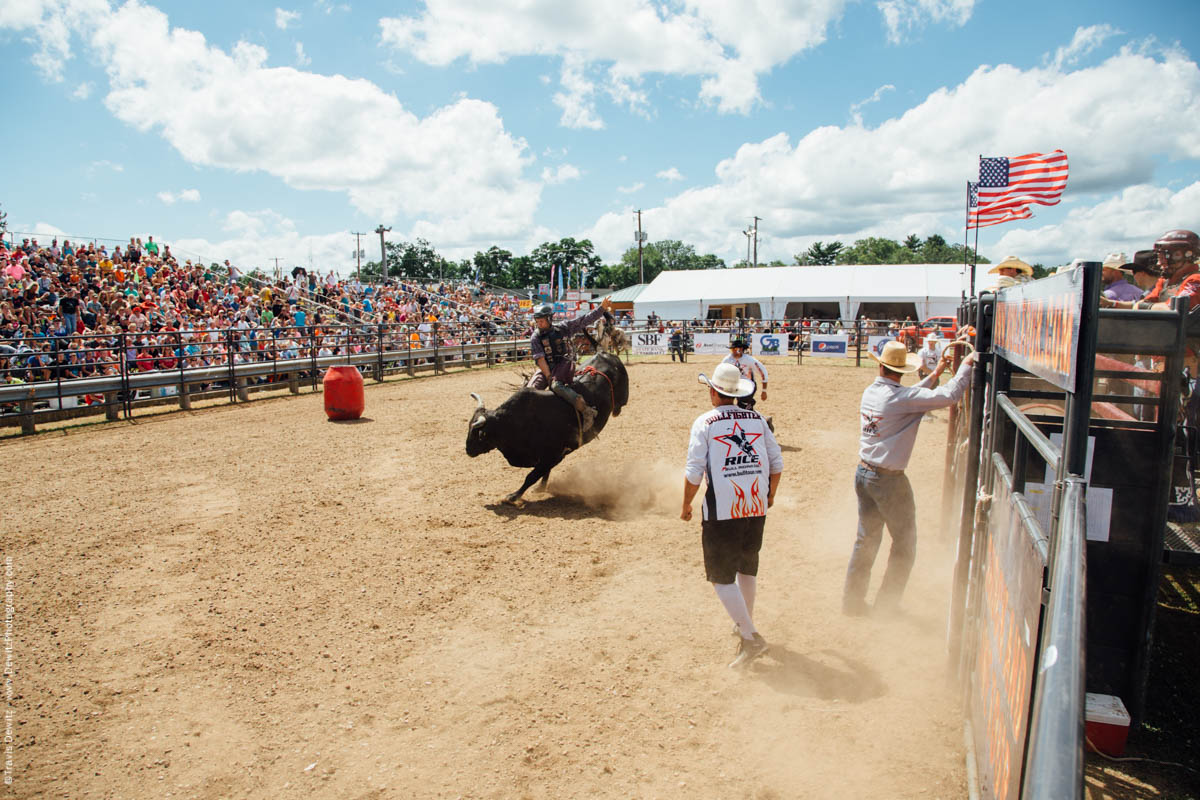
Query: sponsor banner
x,y
875,343
1037,326
560,308
711,344
573,295
524,304
768,344
544,289
649,344
830,345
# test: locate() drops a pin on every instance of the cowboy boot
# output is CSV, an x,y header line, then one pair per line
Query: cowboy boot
x,y
587,414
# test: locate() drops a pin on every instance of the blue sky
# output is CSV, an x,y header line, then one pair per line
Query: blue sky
x,y
256,131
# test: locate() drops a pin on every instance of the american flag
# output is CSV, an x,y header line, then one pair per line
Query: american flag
x,y
1016,182
978,218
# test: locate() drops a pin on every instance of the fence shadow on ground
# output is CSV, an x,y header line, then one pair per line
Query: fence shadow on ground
x,y
827,675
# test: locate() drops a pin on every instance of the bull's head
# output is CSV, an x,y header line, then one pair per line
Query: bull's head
x,y
479,440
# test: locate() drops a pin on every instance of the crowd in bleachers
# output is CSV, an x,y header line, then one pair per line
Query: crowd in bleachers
x,y
71,310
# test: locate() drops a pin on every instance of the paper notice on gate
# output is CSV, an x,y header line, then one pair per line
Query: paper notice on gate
x,y
1098,503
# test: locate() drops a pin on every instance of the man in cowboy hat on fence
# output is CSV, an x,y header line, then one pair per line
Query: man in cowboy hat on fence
x,y
1012,271
890,415
1113,273
736,451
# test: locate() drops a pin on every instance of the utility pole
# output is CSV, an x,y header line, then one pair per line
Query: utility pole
x,y
641,238
747,233
756,219
382,249
358,255
276,260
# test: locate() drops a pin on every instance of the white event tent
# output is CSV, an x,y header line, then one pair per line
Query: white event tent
x,y
922,290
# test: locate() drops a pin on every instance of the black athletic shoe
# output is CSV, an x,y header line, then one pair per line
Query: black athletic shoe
x,y
748,650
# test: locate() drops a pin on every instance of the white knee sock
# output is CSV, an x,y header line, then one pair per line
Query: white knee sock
x,y
735,604
749,586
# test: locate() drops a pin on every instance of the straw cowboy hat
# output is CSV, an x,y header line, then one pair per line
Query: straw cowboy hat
x,y
894,356
1117,261
728,381
1012,262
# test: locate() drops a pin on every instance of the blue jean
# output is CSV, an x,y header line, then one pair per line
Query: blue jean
x,y
882,499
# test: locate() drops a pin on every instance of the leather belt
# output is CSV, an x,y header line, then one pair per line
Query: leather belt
x,y
880,470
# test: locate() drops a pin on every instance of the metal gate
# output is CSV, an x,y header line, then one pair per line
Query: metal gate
x,y
1058,479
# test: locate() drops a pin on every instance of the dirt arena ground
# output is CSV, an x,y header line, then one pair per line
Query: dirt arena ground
x,y
248,601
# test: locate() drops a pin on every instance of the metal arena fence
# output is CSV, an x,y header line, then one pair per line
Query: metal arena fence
x,y
46,378
49,378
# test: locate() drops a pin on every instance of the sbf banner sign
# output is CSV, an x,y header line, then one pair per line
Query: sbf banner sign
x,y
830,345
649,344
769,344
710,344
544,289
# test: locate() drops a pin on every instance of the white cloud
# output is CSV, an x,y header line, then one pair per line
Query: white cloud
x,y
284,18
302,60
105,164
908,174
456,174
576,99
1083,42
256,238
51,23
672,174
902,16
564,173
637,187
856,108
1128,221
83,91
726,45
185,196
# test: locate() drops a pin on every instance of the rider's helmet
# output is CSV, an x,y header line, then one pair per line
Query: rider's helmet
x,y
1177,248
544,311
738,341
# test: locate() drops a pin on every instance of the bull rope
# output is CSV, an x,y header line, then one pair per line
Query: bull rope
x,y
612,393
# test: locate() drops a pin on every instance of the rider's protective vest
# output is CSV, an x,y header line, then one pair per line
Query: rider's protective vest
x,y
554,343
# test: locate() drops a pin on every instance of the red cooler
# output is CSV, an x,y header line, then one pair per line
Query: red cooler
x,y
343,393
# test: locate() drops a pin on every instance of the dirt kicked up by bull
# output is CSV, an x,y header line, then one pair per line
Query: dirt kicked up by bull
x,y
535,428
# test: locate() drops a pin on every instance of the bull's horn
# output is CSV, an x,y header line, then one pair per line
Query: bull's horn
x,y
478,400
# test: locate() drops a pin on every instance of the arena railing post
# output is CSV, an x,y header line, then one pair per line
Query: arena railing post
x,y
379,357
312,353
437,356
858,342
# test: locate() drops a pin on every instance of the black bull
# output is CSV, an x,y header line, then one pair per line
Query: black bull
x,y
535,428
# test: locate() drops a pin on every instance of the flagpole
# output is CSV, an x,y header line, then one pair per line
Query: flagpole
x,y
967,238
975,256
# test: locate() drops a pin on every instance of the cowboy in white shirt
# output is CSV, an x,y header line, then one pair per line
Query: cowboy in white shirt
x,y
735,450
929,356
890,415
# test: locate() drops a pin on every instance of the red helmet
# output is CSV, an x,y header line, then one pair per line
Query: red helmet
x,y
1178,245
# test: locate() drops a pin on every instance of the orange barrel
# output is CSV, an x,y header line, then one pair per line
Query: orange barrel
x,y
343,393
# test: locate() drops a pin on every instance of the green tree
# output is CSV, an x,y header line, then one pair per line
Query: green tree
x,y
819,254
913,242
566,254
494,266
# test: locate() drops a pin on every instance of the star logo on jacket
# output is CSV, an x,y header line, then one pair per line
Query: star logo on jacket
x,y
870,423
743,441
